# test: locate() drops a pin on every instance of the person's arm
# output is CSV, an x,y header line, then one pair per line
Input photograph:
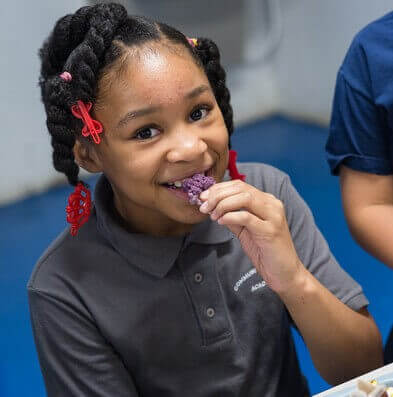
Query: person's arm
x,y
343,342
75,359
327,306
368,207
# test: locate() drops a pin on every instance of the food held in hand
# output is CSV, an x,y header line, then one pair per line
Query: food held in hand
x,y
195,185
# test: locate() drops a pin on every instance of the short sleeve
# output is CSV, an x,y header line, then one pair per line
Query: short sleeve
x,y
358,134
75,359
314,251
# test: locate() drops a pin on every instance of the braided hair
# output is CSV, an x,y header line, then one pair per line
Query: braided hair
x,y
85,44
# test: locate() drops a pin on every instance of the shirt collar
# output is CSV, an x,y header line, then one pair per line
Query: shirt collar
x,y
154,255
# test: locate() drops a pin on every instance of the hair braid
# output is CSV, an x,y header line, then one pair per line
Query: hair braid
x,y
210,57
77,45
68,32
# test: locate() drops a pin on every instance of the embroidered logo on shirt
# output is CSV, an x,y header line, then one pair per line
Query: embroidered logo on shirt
x,y
245,277
257,286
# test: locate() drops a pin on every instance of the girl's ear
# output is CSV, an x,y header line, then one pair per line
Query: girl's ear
x,y
86,157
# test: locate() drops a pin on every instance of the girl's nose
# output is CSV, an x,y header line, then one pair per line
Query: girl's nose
x,y
186,147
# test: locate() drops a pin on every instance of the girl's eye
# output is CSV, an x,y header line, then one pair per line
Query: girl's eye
x,y
146,133
199,114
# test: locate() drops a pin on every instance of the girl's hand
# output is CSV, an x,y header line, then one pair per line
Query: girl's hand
x,y
258,220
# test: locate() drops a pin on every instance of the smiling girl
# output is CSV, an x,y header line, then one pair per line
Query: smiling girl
x,y
150,295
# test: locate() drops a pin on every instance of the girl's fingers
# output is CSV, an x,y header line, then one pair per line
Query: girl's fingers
x,y
238,220
235,202
221,186
218,192
237,195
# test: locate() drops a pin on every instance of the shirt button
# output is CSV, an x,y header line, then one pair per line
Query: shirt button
x,y
198,277
210,312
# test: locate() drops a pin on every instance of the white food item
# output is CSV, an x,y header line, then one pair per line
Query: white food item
x,y
370,389
365,386
358,393
379,391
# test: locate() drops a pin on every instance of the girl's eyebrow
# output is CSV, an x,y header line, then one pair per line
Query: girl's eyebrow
x,y
137,113
197,91
145,111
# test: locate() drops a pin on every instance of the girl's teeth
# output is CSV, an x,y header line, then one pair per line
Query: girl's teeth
x,y
170,183
177,184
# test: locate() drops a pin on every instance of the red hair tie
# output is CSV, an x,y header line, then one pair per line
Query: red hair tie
x,y
91,127
78,208
233,172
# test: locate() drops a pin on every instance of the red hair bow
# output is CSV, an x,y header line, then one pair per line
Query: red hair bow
x,y
91,127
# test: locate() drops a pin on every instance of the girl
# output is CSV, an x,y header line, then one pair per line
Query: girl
x,y
150,295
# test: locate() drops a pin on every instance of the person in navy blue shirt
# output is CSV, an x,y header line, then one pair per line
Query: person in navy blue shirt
x,y
360,144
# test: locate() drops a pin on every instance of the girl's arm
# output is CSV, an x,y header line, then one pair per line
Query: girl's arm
x,y
75,359
368,207
342,341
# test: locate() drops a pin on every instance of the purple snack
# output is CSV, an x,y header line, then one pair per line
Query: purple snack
x,y
195,185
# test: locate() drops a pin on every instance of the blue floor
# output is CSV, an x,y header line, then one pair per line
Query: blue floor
x,y
28,226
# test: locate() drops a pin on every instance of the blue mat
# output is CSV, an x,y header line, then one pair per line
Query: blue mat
x,y
297,148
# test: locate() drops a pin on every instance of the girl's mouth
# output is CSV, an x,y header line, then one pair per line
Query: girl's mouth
x,y
178,185
178,192
183,192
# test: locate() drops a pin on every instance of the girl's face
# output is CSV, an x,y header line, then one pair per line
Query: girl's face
x,y
161,124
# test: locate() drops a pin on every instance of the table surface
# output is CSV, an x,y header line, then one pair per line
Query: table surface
x,y
383,371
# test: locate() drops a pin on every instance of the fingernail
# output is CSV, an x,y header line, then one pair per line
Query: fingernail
x,y
203,207
204,195
213,216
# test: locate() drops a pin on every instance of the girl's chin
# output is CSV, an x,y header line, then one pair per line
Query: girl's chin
x,y
190,215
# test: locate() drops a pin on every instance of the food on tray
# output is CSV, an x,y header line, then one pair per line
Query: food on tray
x,y
371,389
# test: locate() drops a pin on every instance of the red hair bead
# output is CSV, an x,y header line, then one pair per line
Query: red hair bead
x,y
233,172
78,208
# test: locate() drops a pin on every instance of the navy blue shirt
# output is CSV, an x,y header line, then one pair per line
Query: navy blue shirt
x,y
362,119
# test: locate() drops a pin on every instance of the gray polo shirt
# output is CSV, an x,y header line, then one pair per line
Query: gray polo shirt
x,y
116,313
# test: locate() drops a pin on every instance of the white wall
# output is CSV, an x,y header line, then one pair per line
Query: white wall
x,y
316,35
25,153
254,89
298,80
